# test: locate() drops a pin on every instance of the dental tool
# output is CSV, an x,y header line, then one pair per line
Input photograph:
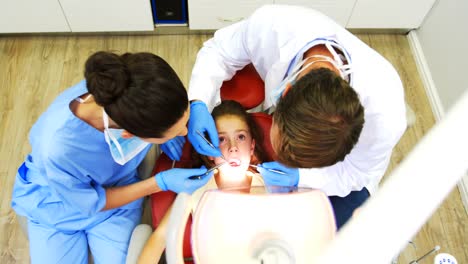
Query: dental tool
x,y
435,249
272,170
209,143
198,177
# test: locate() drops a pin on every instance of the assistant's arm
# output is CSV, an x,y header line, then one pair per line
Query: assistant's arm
x,y
80,191
122,195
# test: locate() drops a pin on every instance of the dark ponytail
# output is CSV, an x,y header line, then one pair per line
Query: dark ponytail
x,y
139,91
107,77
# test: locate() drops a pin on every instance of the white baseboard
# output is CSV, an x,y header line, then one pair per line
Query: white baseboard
x,y
425,73
463,188
434,98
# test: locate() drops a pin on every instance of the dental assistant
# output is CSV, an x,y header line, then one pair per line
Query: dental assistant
x,y
338,106
79,186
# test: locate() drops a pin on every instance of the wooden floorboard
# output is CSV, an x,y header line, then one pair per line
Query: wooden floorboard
x,y
35,69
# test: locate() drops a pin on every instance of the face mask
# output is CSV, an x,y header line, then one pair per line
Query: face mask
x,y
337,62
122,149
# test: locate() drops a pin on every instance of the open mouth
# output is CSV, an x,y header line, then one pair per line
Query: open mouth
x,y
234,162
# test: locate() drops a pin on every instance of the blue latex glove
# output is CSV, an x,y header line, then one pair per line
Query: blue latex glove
x,y
173,147
177,180
290,178
202,121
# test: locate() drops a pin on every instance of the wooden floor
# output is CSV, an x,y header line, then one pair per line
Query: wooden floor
x,y
34,69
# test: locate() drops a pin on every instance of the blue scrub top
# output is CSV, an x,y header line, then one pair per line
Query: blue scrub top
x,y
62,182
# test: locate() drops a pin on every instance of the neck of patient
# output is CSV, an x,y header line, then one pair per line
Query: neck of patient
x,y
242,182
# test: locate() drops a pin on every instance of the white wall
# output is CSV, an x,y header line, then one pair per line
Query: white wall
x,y
441,51
444,42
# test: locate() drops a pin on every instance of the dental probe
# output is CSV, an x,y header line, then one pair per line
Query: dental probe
x,y
209,143
272,170
198,177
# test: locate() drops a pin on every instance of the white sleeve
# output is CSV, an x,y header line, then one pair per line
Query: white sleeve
x,y
217,61
365,164
261,38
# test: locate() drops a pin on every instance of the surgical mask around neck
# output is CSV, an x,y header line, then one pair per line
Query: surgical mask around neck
x,y
337,61
122,149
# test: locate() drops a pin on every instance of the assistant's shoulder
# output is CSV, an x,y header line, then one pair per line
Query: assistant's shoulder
x,y
60,145
72,92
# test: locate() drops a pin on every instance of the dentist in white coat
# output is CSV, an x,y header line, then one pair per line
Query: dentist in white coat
x,y
338,106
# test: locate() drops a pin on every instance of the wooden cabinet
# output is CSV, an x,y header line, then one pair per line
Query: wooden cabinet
x,y
108,15
25,16
389,14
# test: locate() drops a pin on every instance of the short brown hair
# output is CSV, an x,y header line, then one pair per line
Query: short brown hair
x,y
319,121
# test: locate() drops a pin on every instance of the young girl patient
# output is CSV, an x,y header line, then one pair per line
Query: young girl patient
x,y
239,142
238,135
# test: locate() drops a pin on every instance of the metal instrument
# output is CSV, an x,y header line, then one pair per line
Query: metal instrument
x,y
198,177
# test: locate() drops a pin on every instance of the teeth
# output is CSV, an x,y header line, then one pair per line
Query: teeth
x,y
234,162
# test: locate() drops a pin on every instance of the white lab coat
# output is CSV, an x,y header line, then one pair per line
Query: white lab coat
x,y
270,39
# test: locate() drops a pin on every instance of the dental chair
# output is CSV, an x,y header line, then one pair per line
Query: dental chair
x,y
161,201
247,88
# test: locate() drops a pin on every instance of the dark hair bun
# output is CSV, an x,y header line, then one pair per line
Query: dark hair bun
x,y
106,76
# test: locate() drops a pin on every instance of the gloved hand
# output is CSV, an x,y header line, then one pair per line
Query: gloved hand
x,y
177,180
173,147
290,178
202,121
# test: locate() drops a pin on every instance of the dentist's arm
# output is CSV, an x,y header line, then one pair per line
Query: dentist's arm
x,y
200,123
217,61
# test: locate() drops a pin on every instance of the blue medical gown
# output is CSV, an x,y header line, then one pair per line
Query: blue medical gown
x,y
62,182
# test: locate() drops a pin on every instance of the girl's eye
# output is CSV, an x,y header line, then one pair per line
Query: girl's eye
x,y
221,140
242,137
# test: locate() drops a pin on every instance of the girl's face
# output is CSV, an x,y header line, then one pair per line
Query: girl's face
x,y
236,144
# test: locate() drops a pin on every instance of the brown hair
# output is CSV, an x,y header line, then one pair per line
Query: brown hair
x,y
319,121
233,108
139,91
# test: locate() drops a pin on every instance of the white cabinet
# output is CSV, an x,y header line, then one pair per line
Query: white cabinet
x,y
214,14
23,16
108,15
17,16
338,10
406,14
